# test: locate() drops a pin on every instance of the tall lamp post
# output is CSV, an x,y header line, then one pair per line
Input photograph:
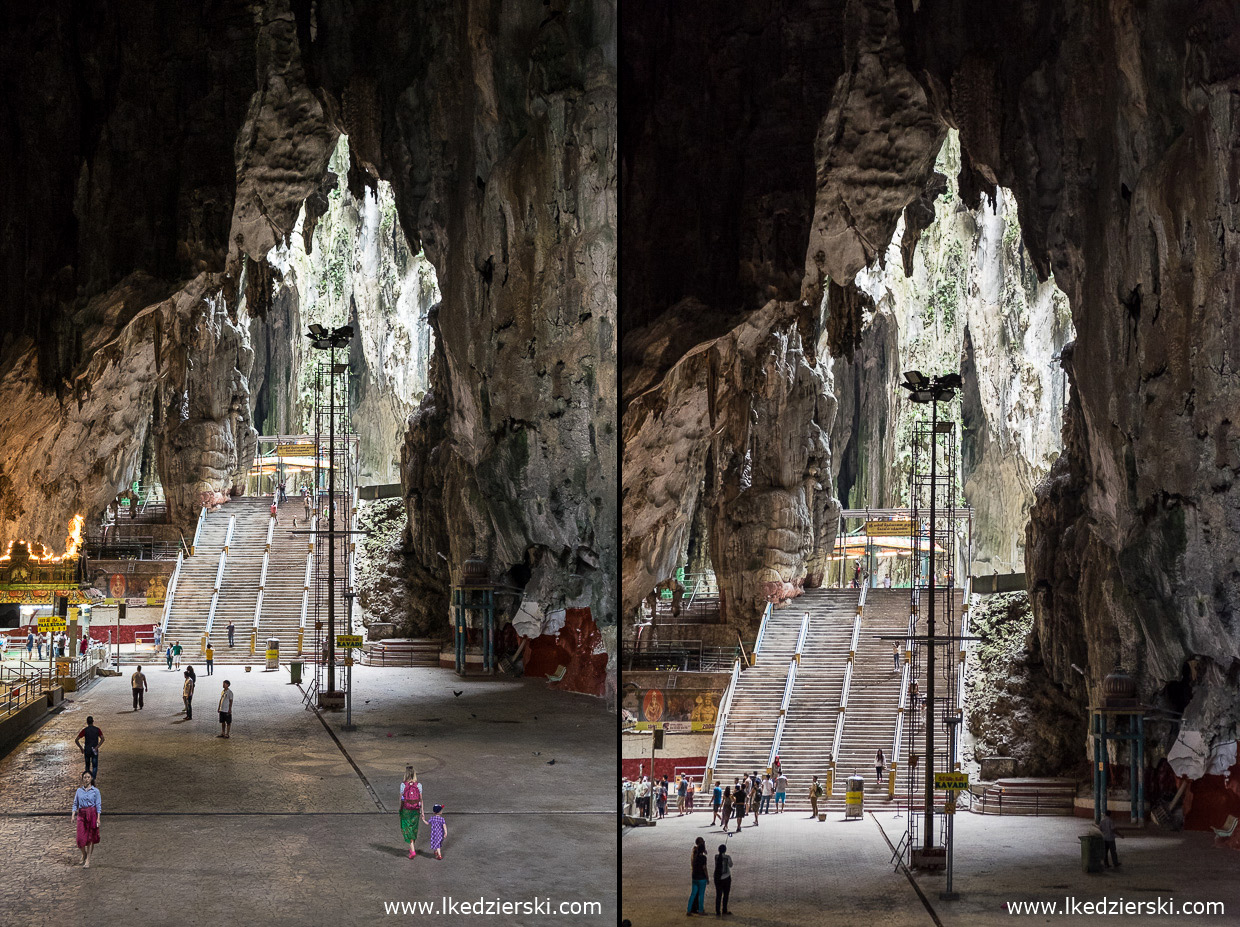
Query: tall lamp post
x,y
326,340
932,390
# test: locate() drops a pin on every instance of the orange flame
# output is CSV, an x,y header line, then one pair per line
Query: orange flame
x,y
41,554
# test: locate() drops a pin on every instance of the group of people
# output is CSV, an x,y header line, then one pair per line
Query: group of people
x,y
411,816
138,683
57,644
698,874
751,795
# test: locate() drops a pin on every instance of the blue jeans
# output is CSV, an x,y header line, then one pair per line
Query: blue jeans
x,y
766,804
92,763
697,897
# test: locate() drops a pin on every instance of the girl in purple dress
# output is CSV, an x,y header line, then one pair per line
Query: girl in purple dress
x,y
439,830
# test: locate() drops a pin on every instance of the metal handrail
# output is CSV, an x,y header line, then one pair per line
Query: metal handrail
x,y
757,644
902,705
228,536
219,577
721,719
172,590
202,516
305,589
783,712
801,638
838,737
262,576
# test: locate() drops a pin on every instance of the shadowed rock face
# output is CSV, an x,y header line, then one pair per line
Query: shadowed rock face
x,y
155,165
1115,128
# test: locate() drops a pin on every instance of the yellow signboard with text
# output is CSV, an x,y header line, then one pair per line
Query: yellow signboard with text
x,y
889,529
295,450
951,781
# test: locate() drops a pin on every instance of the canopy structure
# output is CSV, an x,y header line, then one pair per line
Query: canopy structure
x,y
854,546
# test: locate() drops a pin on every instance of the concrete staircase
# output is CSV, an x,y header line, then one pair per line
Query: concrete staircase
x,y
754,711
239,590
286,576
1048,796
810,723
874,696
191,600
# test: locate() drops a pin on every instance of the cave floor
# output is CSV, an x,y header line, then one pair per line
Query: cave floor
x,y
793,870
276,826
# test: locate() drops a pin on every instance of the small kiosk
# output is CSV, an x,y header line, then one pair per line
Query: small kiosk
x,y
473,615
854,798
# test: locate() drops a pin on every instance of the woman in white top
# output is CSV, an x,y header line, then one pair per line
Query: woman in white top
x,y
87,807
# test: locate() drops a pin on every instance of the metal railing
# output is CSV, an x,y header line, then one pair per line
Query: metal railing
x,y
21,685
202,517
721,719
757,644
172,590
838,736
902,703
219,575
789,683
687,656
305,588
262,577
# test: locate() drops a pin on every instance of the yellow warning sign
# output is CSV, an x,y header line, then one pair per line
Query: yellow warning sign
x,y
348,640
951,781
51,623
889,529
295,450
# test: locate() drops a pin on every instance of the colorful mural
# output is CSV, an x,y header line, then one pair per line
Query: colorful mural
x,y
676,710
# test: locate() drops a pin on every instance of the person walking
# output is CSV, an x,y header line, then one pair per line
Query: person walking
x,y
682,796
231,631
663,798
643,798
187,694
138,683
880,763
781,792
768,792
274,513
159,636
209,653
38,642
176,654
87,807
1107,827
30,645
697,894
895,657
725,808
689,795
225,709
93,738
410,809
308,507
723,880
716,803
439,830
740,804
755,799
815,793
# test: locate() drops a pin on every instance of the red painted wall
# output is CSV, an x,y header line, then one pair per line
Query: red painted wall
x,y
663,766
1210,799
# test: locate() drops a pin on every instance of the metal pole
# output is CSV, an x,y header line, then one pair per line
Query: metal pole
x,y
928,840
348,705
331,524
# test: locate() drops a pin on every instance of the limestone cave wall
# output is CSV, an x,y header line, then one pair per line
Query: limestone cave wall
x,y
1113,124
156,162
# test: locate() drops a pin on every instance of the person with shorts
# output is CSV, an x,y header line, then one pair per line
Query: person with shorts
x,y
226,703
781,792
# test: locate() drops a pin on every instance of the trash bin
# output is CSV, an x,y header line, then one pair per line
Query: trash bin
x,y
295,669
1091,852
854,797
273,653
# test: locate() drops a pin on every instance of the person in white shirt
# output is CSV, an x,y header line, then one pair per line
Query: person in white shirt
x,y
226,701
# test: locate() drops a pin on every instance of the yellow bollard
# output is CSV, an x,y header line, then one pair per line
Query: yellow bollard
x,y
300,634
829,786
253,642
891,781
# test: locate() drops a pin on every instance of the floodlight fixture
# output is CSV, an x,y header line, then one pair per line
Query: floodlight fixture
x,y
914,379
317,331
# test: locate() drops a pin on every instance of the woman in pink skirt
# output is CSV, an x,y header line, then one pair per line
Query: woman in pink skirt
x,y
87,807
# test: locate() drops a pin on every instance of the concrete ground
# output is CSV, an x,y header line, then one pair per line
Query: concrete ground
x,y
791,870
283,825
